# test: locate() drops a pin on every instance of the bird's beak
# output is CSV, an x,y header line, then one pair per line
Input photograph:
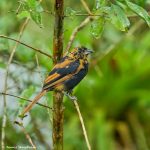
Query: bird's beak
x,y
89,51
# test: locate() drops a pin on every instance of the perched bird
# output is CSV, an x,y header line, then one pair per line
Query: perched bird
x,y
65,75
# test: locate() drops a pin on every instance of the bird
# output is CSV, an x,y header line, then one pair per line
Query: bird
x,y
65,75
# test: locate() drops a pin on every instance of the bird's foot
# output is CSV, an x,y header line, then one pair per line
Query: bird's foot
x,y
70,96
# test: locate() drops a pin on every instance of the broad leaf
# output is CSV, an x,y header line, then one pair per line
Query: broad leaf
x,y
31,3
99,5
37,18
23,14
32,9
119,18
121,4
38,7
139,11
97,27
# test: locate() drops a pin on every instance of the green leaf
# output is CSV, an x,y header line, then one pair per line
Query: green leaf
x,y
119,18
99,4
100,7
31,3
70,12
27,93
33,9
139,11
36,17
97,27
122,5
38,7
23,14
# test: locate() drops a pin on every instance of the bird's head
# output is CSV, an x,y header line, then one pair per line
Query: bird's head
x,y
80,52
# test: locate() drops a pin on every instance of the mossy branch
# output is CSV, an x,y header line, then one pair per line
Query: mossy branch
x,y
58,113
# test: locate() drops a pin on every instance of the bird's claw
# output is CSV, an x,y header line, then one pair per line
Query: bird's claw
x,y
70,96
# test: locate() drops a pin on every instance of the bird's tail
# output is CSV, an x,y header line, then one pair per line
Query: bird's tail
x,y
28,108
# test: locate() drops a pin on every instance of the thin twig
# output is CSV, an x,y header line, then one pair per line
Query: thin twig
x,y
25,99
81,14
5,85
35,49
86,7
28,137
88,15
26,134
82,124
79,27
101,15
48,12
17,11
75,31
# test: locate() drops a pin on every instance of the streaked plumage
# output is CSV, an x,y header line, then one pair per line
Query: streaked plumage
x,y
65,75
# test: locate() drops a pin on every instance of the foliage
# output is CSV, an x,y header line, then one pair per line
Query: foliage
x,y
31,9
114,97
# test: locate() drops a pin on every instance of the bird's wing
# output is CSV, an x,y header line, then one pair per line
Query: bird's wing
x,y
61,72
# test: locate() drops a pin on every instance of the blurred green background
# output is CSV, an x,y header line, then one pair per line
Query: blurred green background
x,y
114,97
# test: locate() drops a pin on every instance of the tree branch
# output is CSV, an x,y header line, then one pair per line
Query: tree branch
x,y
82,124
86,7
26,134
4,116
35,49
79,27
76,30
58,113
25,99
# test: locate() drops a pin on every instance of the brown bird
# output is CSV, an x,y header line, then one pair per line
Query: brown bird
x,y
65,75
